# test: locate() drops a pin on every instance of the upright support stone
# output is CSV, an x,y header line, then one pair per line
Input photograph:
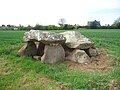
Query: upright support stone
x,y
29,49
67,50
78,56
53,53
92,52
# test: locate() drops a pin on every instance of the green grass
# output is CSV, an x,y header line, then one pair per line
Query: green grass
x,y
23,72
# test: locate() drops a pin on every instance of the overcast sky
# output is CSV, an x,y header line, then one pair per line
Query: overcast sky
x,y
46,12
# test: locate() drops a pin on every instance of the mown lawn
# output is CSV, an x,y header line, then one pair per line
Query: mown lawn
x,y
21,73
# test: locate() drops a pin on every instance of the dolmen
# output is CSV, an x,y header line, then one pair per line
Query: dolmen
x,y
51,48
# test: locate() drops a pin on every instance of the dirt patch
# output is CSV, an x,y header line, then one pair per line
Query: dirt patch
x,y
101,62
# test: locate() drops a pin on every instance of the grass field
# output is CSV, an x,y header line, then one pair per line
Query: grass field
x,y
24,73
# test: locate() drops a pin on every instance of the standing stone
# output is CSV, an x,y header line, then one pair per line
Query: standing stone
x,y
78,56
53,53
67,50
77,40
29,49
92,52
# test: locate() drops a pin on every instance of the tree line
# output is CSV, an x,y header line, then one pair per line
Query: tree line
x,y
62,26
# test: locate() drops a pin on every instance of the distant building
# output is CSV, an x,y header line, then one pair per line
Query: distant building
x,y
15,28
94,23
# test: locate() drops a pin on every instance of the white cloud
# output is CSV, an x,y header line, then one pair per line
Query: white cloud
x,y
49,11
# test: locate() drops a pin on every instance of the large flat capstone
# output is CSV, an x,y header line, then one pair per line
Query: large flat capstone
x,y
44,37
77,40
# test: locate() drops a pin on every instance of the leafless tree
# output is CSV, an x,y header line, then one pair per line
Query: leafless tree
x,y
61,21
